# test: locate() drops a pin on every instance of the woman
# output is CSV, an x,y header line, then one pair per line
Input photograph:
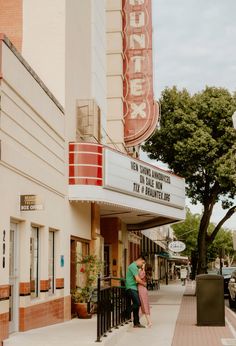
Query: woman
x,y
143,296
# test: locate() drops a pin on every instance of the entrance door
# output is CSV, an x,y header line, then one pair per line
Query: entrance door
x,y
13,279
78,247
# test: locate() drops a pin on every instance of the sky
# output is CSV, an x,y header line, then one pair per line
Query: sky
x,y
194,46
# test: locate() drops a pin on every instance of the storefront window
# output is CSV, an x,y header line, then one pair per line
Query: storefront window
x,y
51,262
34,262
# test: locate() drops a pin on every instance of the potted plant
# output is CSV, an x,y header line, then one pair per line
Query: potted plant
x,y
80,298
90,267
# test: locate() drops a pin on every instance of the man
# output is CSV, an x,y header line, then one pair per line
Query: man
x,y
132,281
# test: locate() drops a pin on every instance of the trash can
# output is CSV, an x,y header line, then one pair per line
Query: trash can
x,y
210,300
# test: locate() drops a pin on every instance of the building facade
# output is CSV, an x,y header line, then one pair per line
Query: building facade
x,y
73,114
33,187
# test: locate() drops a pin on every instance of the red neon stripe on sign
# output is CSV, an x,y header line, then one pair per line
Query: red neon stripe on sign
x,y
85,158
85,181
86,171
85,164
86,147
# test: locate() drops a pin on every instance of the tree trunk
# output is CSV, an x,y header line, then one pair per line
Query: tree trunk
x,y
229,260
203,242
202,254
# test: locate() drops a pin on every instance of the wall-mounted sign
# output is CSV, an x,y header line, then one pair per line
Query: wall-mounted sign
x,y
30,203
176,246
134,177
140,109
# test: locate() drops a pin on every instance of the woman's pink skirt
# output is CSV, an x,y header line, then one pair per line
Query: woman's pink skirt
x,y
143,296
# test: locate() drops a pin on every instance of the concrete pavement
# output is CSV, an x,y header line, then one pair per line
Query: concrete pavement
x,y
165,306
173,311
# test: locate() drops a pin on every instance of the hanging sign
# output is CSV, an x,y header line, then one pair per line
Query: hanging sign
x,y
176,246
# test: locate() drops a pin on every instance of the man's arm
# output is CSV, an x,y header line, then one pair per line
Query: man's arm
x,y
139,280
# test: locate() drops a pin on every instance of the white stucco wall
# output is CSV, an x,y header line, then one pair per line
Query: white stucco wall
x,y
98,41
114,38
43,43
32,162
79,216
85,57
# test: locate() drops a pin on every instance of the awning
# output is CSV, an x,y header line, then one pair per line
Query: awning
x,y
164,254
133,211
178,258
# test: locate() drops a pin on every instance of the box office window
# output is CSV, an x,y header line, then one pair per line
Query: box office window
x,y
34,262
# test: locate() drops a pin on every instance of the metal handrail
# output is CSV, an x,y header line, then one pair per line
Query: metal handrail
x,y
111,306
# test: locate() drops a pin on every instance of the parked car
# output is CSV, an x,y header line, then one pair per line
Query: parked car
x,y
226,273
232,290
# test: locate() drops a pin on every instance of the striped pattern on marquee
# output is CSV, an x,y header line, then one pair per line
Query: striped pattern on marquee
x,y
85,164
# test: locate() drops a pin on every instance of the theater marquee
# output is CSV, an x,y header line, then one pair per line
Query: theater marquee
x,y
140,109
137,178
118,182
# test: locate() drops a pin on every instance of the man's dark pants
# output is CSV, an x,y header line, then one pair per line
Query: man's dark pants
x,y
132,295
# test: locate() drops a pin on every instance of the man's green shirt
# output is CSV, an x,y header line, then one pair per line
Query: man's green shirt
x,y
130,276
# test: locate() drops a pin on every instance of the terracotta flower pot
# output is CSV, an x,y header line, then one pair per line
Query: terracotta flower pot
x,y
82,310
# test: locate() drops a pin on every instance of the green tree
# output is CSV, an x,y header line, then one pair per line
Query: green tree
x,y
224,240
187,231
198,142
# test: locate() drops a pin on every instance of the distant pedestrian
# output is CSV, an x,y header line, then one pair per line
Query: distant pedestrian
x,y
183,274
143,296
132,281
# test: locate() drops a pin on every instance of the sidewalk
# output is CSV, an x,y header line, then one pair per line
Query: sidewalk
x,y
188,333
165,305
173,310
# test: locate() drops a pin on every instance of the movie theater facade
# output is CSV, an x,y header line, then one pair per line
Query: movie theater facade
x,y
71,181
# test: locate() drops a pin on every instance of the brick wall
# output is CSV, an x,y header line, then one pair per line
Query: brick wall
x,y
41,315
4,316
67,308
24,288
59,283
11,21
38,315
4,326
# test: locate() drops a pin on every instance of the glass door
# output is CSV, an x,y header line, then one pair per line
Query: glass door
x,y
13,279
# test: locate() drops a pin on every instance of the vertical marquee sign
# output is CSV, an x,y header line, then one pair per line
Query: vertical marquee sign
x,y
140,110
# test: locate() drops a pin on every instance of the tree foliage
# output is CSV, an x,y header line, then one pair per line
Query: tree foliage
x,y
222,239
198,142
187,231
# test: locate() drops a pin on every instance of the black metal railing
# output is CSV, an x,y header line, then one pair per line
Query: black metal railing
x,y
112,305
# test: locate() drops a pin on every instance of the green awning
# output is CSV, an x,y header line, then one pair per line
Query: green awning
x,y
163,254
